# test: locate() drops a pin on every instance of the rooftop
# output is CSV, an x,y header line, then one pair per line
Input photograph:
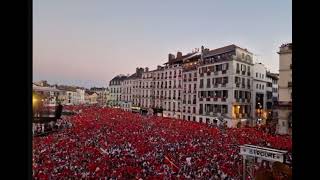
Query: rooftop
x,y
224,49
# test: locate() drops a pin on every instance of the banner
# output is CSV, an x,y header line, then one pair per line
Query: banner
x,y
264,153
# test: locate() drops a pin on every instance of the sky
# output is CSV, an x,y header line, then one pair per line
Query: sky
x,y
88,42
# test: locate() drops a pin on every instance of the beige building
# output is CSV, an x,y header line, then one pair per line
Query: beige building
x,y
91,97
285,89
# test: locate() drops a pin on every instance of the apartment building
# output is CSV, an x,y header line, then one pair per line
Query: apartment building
x,y
204,86
115,90
285,89
131,90
260,88
225,85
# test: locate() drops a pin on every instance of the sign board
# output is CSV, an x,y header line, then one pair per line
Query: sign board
x,y
263,153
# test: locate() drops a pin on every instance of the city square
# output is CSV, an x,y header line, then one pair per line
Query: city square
x,y
162,90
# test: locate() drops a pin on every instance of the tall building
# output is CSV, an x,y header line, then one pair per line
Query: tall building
x,y
272,95
260,94
285,89
131,90
225,85
115,90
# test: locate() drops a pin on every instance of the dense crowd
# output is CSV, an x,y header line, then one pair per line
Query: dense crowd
x,y
106,143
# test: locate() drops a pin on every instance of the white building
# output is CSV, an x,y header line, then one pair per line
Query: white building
x,y
131,90
225,85
115,90
199,86
285,89
259,98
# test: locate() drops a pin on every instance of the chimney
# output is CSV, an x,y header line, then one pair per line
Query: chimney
x,y
202,48
179,55
158,67
146,69
170,57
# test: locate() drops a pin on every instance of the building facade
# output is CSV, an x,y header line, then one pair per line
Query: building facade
x,y
225,86
115,90
261,97
102,95
285,89
208,86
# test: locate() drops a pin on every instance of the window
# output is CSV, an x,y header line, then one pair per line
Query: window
x,y
257,86
194,110
238,70
208,83
262,87
262,76
201,83
235,94
256,74
242,55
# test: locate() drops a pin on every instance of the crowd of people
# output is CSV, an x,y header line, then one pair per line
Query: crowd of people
x,y
105,143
